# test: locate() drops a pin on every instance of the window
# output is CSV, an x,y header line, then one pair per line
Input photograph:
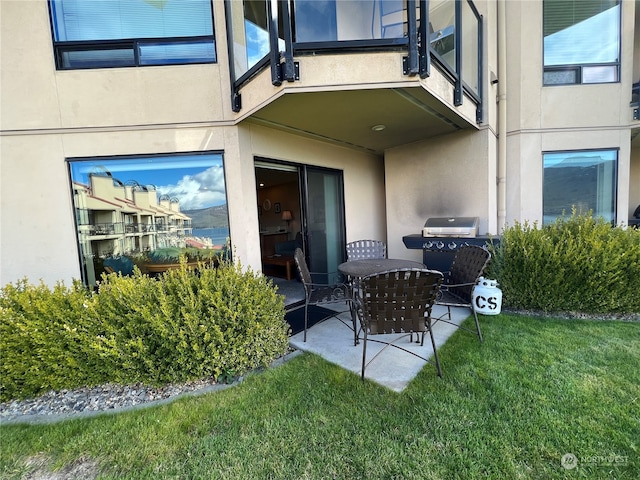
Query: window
x,y
128,33
131,210
316,21
581,41
585,180
442,19
249,34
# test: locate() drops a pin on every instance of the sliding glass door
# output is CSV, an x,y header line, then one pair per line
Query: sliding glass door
x,y
324,227
313,199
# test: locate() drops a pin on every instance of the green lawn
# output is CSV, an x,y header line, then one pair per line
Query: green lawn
x,y
509,408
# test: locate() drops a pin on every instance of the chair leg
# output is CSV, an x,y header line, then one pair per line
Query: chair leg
x,y
306,311
364,352
435,353
352,309
475,315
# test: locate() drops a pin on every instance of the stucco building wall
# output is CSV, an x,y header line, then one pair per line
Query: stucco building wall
x,y
419,185
564,117
41,224
47,116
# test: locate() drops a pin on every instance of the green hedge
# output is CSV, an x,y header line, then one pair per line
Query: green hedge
x,y
210,323
577,264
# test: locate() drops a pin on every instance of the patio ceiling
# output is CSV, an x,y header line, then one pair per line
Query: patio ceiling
x,y
346,117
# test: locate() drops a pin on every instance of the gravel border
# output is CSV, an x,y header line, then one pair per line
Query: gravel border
x,y
56,406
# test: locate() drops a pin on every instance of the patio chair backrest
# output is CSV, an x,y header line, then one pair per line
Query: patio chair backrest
x,y
468,264
361,249
398,301
303,269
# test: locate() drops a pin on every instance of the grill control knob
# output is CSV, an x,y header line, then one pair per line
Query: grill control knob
x,y
452,245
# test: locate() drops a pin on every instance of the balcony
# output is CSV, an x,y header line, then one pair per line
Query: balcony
x,y
332,70
139,228
105,229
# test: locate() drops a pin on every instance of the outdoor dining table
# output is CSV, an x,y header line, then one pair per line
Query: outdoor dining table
x,y
369,266
355,270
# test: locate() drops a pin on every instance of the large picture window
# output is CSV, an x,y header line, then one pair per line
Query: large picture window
x,y
581,41
127,33
584,180
148,211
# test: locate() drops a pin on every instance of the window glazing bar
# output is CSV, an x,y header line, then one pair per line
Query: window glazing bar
x,y
424,67
479,108
289,72
274,51
457,92
413,59
236,99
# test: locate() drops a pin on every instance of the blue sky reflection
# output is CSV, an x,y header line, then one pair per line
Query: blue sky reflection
x,y
197,181
594,40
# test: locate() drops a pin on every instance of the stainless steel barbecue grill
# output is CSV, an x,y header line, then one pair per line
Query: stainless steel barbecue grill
x,y
451,227
441,237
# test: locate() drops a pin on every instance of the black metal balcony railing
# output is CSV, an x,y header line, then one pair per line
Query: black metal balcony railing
x,y
139,228
448,32
119,228
105,229
635,100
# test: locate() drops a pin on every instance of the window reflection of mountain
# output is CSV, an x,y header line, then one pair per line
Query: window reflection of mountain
x,y
210,217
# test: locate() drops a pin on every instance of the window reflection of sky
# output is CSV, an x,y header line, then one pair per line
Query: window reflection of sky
x,y
316,20
257,42
196,180
578,159
594,40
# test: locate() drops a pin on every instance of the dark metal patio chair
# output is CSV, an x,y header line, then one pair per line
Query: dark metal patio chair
x,y
467,267
321,293
398,301
360,249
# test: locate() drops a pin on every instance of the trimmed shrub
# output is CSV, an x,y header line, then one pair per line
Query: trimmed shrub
x,y
46,339
577,264
209,323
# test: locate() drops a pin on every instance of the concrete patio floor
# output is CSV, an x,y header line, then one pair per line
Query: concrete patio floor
x,y
394,369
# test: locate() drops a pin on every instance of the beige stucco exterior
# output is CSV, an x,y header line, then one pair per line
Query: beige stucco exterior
x,y
48,116
428,190
570,117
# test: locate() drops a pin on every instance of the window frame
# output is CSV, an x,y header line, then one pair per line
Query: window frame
x,y
60,48
615,174
114,232
578,67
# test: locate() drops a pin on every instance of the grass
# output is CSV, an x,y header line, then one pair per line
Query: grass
x,y
511,407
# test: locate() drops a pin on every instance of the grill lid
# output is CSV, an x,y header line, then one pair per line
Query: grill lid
x,y
450,227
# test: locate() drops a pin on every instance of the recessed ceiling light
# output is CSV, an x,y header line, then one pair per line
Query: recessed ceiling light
x,y
378,128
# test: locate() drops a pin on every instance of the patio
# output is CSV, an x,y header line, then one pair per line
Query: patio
x,y
394,369
333,341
